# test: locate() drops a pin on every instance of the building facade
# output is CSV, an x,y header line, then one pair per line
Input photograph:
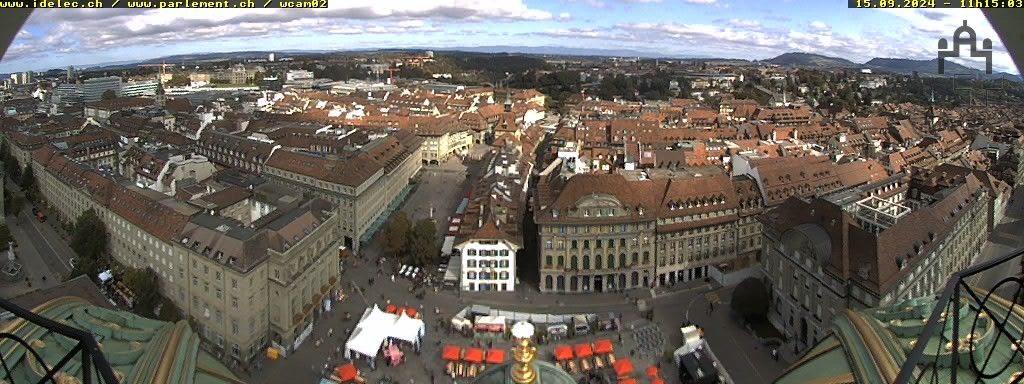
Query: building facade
x,y
823,256
93,89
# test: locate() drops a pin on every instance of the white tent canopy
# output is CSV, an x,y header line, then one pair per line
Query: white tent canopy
x,y
408,329
375,326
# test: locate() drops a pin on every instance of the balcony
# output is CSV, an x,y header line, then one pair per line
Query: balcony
x,y
83,356
974,331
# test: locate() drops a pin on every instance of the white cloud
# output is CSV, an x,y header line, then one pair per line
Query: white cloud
x,y
819,26
700,1
564,16
926,27
79,30
592,3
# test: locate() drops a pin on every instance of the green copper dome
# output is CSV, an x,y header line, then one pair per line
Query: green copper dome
x,y
547,373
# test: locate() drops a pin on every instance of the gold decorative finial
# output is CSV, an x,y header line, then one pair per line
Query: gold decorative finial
x,y
523,353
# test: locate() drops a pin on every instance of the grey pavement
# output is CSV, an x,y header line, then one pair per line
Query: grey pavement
x,y
739,352
1005,237
41,251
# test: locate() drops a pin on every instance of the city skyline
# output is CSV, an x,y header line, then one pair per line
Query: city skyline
x,y
720,28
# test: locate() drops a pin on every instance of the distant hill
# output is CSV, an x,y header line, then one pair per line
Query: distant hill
x,y
931,67
803,59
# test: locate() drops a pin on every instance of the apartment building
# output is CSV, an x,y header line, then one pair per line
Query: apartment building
x,y
880,246
245,283
489,235
364,185
596,232
93,89
235,151
442,138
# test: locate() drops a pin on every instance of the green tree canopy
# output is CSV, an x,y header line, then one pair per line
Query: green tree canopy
x,y
13,202
397,234
750,298
28,183
146,285
5,237
178,80
89,238
109,94
423,249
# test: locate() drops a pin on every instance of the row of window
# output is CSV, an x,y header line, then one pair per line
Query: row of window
x,y
486,252
597,228
598,261
471,263
487,276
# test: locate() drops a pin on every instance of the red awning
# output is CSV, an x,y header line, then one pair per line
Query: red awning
x,y
563,352
347,372
657,381
584,350
474,355
623,367
603,346
451,353
652,371
391,308
495,356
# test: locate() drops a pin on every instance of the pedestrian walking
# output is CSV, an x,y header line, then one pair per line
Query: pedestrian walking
x,y
775,354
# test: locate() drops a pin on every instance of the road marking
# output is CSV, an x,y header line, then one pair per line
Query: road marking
x,y
54,250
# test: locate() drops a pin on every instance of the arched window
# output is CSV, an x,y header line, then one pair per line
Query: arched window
x,y
622,260
647,257
586,262
635,279
547,282
561,261
573,263
636,258
611,261
597,262
561,283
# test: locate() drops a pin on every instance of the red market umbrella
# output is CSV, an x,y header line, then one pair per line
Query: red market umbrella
x,y
563,352
629,380
411,312
451,353
347,372
474,356
623,367
652,371
603,346
391,308
584,350
657,381
495,356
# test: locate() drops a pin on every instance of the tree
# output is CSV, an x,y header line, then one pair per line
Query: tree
x,y
89,240
178,80
146,286
28,182
396,234
423,249
750,299
109,94
13,202
5,237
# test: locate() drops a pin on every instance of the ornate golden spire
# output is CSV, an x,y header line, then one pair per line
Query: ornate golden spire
x,y
523,353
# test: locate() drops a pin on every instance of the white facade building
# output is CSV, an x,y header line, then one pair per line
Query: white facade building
x,y
488,264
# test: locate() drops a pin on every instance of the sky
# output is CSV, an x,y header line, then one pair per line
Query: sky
x,y
746,29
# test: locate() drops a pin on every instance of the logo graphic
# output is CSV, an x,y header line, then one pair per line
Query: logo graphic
x,y
972,40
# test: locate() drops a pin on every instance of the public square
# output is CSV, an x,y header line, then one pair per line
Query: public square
x,y
442,187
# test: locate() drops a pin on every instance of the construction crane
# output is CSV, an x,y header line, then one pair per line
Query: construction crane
x,y
391,75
